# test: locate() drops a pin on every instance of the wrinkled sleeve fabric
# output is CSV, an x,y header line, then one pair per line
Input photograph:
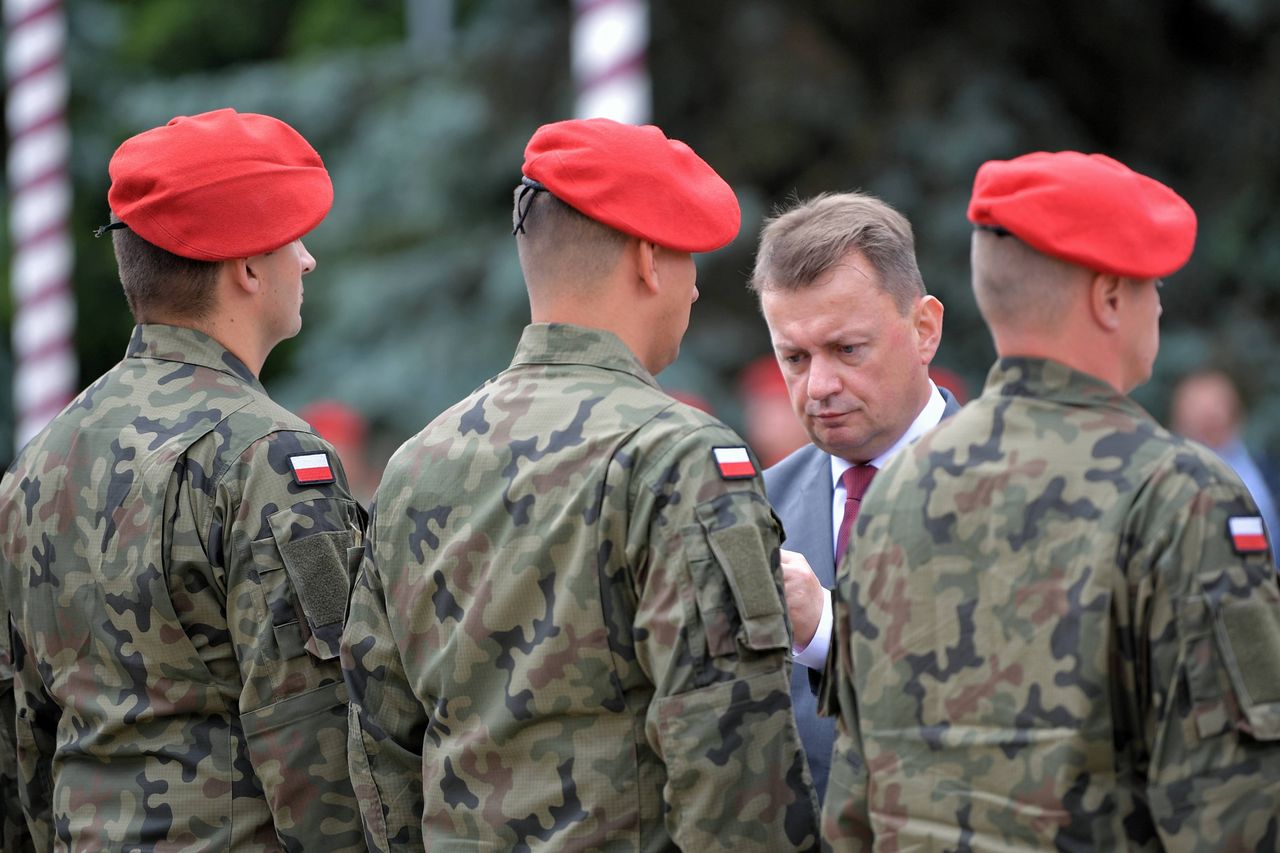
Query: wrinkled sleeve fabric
x,y
1205,672
35,718
289,549
386,719
713,637
28,716
846,822
13,824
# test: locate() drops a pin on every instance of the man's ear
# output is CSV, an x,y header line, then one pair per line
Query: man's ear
x,y
1106,292
647,265
242,275
928,326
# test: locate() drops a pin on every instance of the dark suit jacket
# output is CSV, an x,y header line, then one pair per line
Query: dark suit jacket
x,y
800,489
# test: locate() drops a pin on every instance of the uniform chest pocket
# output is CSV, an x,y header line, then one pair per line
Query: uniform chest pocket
x,y
306,587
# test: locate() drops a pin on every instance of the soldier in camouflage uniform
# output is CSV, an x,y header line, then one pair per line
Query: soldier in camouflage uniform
x,y
176,545
568,629
1060,628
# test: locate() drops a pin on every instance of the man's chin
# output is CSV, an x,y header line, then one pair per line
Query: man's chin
x,y
842,447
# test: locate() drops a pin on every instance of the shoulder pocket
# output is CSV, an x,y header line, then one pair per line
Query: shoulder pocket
x,y
1248,635
1232,663
315,539
742,541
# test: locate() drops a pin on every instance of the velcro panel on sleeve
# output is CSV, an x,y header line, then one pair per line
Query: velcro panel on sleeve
x,y
317,566
743,541
314,539
1250,635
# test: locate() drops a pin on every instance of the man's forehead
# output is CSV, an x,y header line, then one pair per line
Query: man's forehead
x,y
828,328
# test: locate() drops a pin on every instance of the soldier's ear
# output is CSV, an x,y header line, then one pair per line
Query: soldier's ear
x,y
1105,295
647,265
243,275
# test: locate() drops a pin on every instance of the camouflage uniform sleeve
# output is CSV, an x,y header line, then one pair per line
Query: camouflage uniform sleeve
x,y
11,819
846,824
14,833
35,719
712,635
1205,671
386,719
288,555
13,823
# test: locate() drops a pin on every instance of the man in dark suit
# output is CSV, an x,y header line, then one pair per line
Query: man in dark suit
x,y
854,332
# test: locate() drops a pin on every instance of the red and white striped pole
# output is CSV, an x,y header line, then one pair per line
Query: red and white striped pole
x,y
45,371
610,44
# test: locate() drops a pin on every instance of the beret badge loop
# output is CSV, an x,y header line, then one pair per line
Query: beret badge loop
x,y
113,226
529,191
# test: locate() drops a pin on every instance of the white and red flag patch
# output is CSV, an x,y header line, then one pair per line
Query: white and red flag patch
x,y
734,463
310,469
1247,535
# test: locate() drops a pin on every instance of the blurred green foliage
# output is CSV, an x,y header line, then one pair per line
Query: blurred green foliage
x,y
417,297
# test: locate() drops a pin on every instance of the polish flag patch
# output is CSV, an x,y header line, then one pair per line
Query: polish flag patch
x,y
310,469
1247,535
734,463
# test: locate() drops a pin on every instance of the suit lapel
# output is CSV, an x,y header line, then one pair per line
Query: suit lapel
x,y
812,517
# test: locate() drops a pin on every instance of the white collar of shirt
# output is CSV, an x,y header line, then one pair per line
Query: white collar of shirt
x,y
930,416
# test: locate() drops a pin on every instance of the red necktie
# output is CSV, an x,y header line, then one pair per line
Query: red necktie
x,y
856,480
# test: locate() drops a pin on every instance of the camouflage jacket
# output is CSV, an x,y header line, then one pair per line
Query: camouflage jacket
x,y
568,630
1047,637
176,601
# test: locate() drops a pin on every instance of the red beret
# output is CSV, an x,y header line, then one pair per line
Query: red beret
x,y
335,422
636,180
762,378
219,185
1087,209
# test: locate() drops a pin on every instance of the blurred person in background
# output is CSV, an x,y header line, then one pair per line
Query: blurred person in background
x,y
1207,408
568,630
853,331
945,377
1058,626
176,544
772,429
348,432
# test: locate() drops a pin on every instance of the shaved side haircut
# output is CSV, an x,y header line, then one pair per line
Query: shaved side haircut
x,y
1016,286
558,246
159,285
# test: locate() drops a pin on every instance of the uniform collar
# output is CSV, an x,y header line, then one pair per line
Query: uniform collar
x,y
563,343
1045,379
930,416
186,346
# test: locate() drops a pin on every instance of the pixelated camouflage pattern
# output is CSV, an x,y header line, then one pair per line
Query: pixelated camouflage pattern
x,y
171,692
1045,639
568,632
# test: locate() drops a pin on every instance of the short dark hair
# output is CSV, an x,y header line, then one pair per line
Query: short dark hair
x,y
161,285
801,243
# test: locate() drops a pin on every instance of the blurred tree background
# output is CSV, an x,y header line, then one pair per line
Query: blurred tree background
x,y
417,297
